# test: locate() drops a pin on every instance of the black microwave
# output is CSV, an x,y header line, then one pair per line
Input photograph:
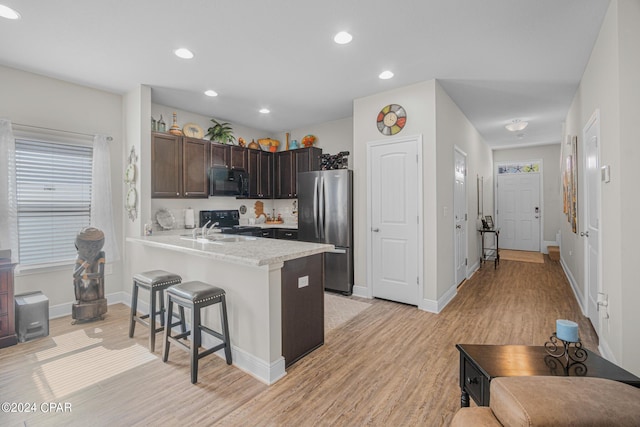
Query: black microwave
x,y
228,182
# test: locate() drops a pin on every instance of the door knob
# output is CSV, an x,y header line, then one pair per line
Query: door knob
x,y
584,233
375,230
458,226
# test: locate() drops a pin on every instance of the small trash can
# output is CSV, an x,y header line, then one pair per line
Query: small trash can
x,y
32,315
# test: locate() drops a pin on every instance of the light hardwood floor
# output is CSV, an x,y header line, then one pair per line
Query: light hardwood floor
x,y
391,365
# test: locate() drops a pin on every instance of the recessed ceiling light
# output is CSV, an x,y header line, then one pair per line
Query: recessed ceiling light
x,y
211,93
516,125
265,111
342,37
385,75
7,12
183,53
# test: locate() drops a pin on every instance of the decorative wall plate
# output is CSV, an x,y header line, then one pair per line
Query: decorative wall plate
x,y
391,119
132,199
193,130
130,174
166,219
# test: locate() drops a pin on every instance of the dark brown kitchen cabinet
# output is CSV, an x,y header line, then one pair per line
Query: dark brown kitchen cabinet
x,y
238,157
195,165
229,156
7,318
220,154
260,169
288,164
302,307
179,166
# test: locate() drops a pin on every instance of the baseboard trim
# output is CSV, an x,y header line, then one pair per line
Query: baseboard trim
x,y
361,291
264,371
436,307
574,285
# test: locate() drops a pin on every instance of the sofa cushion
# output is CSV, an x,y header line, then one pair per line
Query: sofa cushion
x,y
564,401
480,416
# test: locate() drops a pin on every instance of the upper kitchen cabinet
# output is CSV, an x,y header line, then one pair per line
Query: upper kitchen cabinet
x,y
287,166
179,166
219,154
260,169
195,165
229,156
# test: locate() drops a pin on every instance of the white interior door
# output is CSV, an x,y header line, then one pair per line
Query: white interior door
x,y
518,213
460,216
592,219
394,217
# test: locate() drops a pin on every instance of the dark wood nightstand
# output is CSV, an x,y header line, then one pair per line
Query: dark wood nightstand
x,y
479,364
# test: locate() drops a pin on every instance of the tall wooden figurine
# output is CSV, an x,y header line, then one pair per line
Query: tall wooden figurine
x,y
88,276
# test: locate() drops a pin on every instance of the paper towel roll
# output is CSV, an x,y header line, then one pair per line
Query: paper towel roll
x,y
189,218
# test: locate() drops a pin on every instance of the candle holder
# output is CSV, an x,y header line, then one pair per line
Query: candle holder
x,y
569,351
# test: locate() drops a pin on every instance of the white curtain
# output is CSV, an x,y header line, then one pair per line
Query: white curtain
x,y
101,203
8,202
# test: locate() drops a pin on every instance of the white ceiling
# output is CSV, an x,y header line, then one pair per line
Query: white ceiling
x,y
497,59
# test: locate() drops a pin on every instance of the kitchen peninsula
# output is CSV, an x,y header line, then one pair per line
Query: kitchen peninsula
x,y
269,284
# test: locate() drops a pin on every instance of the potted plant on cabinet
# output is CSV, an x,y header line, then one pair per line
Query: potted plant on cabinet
x,y
221,132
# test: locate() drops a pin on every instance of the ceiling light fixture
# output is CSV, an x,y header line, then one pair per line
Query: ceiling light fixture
x,y
265,111
183,53
385,75
7,12
211,93
342,37
516,125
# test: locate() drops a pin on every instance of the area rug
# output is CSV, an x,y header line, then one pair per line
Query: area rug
x,y
339,309
522,256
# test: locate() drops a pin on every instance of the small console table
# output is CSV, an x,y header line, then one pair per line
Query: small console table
x,y
479,364
492,253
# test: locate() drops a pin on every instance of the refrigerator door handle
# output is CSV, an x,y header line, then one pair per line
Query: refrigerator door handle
x,y
338,251
321,211
315,207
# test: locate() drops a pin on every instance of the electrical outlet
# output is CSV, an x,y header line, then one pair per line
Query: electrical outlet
x,y
303,281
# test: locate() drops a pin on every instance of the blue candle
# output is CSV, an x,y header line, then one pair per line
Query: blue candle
x,y
566,330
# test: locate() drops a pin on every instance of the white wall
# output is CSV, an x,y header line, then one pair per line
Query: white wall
x,y
332,137
35,100
431,113
418,101
453,130
610,83
551,190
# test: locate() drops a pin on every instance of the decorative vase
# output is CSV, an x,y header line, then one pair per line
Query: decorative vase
x,y
175,129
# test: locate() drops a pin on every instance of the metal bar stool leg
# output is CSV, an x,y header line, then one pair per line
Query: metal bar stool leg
x,y
196,338
167,332
225,329
134,308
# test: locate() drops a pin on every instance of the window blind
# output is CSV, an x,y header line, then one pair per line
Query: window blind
x,y
53,197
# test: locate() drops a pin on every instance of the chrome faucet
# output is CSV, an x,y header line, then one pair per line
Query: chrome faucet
x,y
210,228
202,233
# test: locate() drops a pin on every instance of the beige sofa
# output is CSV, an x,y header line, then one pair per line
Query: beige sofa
x,y
555,401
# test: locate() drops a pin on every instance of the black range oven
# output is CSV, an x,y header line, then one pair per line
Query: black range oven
x,y
228,222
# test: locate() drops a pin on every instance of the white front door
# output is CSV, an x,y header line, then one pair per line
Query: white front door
x,y
460,216
393,190
518,213
593,285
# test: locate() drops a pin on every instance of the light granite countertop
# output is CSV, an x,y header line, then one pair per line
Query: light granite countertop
x,y
255,252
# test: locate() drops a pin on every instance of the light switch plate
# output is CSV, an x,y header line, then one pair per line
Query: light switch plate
x,y
303,281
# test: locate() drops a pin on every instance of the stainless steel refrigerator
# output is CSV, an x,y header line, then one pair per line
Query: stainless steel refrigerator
x,y
325,215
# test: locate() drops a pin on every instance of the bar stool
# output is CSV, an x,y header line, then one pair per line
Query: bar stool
x,y
154,281
194,296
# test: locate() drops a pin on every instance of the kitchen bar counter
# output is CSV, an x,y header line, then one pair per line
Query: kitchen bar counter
x,y
255,275
255,252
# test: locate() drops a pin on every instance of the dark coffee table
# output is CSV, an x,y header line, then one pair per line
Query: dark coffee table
x,y
479,364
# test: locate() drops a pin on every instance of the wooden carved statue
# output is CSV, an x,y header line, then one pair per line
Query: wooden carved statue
x,y
88,276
